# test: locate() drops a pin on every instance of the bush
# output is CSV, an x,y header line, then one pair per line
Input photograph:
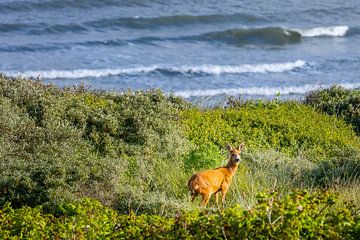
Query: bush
x,y
128,123
41,164
64,144
87,219
298,215
204,157
293,216
289,127
338,101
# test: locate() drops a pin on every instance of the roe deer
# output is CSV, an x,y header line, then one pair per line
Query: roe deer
x,y
216,180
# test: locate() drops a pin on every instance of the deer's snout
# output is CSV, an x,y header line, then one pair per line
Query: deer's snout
x,y
237,160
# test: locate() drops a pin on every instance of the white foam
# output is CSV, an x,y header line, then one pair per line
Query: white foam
x,y
260,91
206,69
81,73
245,68
332,31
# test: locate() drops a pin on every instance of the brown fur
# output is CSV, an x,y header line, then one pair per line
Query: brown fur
x,y
216,180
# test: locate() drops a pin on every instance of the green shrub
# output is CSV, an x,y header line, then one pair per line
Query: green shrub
x,y
122,124
46,164
297,215
87,219
338,101
287,127
204,157
62,144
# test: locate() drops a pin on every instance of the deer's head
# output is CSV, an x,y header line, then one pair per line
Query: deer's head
x,y
235,153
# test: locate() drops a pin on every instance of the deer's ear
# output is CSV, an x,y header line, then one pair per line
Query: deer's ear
x,y
241,147
229,147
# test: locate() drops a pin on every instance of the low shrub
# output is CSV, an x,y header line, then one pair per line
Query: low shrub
x,y
42,164
204,157
58,145
297,215
338,101
86,219
288,127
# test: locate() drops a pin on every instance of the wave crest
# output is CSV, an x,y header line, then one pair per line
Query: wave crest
x,y
332,31
259,91
246,68
80,73
184,70
271,35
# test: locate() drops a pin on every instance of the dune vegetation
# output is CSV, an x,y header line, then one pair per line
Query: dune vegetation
x,y
79,163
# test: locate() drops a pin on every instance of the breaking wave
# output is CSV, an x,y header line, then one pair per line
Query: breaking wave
x,y
184,70
333,31
271,35
260,91
238,37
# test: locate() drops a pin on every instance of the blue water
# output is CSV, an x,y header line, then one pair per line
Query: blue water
x,y
196,49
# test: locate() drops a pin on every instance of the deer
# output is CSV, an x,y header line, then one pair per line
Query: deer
x,y
209,182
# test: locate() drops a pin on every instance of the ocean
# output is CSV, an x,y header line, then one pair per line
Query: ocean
x,y
199,50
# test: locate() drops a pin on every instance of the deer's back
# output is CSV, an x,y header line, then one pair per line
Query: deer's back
x,y
212,179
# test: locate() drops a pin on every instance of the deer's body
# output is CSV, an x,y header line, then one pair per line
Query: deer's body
x,y
209,182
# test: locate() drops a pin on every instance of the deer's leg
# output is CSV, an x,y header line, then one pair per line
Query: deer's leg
x,y
223,194
206,198
193,196
217,198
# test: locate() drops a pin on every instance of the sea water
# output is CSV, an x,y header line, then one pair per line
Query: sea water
x,y
194,49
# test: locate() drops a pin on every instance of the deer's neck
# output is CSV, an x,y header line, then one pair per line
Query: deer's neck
x,y
231,168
